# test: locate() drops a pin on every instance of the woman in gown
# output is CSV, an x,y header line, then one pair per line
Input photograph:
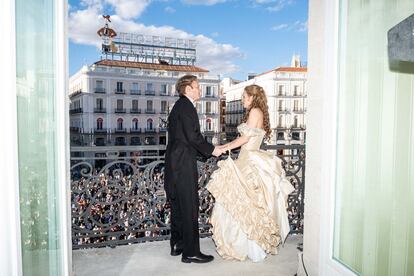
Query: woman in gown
x,y
249,217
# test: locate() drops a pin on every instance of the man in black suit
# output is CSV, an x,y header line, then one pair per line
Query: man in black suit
x,y
181,175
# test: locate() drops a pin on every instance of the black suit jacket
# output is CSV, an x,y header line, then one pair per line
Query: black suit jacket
x,y
185,142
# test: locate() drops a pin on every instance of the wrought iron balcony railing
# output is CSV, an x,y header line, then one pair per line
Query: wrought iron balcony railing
x,y
135,110
135,92
99,90
121,200
99,110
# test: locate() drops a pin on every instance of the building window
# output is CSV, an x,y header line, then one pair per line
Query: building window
x,y
149,105
295,136
280,136
135,123
99,84
208,124
208,107
163,106
163,88
295,121
120,122
99,123
208,91
134,104
119,104
280,105
135,86
119,86
149,123
295,105
295,90
281,89
99,103
280,121
149,87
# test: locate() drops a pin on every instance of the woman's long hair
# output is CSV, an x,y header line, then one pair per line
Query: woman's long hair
x,y
259,101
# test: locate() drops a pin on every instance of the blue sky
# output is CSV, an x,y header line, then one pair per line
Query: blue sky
x,y
234,37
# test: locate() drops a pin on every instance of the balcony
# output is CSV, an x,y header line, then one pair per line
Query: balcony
x,y
154,259
150,111
119,91
163,129
75,111
299,110
163,93
99,110
135,92
105,230
150,130
120,110
283,110
149,93
100,130
135,130
210,96
100,90
135,110
163,112
120,130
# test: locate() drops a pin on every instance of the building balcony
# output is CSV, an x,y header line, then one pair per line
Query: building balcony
x,y
149,93
75,111
150,130
135,92
99,90
163,94
135,110
120,110
163,129
149,243
283,110
135,130
120,143
100,130
135,143
211,113
150,111
99,110
120,130
163,112
210,96
299,110
119,91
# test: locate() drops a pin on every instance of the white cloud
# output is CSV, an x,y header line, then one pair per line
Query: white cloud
x,y
129,8
169,9
215,34
273,5
203,2
280,27
213,56
297,26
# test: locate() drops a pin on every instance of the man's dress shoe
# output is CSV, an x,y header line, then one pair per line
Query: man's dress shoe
x,y
199,258
176,250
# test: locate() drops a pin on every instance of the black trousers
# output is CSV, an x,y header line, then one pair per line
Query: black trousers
x,y
184,219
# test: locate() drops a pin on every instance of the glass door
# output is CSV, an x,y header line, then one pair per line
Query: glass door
x,y
374,214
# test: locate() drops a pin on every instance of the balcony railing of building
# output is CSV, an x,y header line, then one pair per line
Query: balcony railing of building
x,y
100,130
163,112
121,200
163,93
99,110
149,93
120,130
150,111
135,110
150,130
75,111
283,110
135,130
210,96
163,129
119,91
135,92
120,110
234,111
99,90
299,110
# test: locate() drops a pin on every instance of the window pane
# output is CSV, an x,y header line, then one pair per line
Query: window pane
x,y
374,219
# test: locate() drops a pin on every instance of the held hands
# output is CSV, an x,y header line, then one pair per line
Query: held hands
x,y
219,150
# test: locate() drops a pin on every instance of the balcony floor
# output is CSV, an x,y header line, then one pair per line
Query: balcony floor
x,y
152,258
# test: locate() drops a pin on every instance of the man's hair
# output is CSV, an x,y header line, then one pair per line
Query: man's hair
x,y
183,82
